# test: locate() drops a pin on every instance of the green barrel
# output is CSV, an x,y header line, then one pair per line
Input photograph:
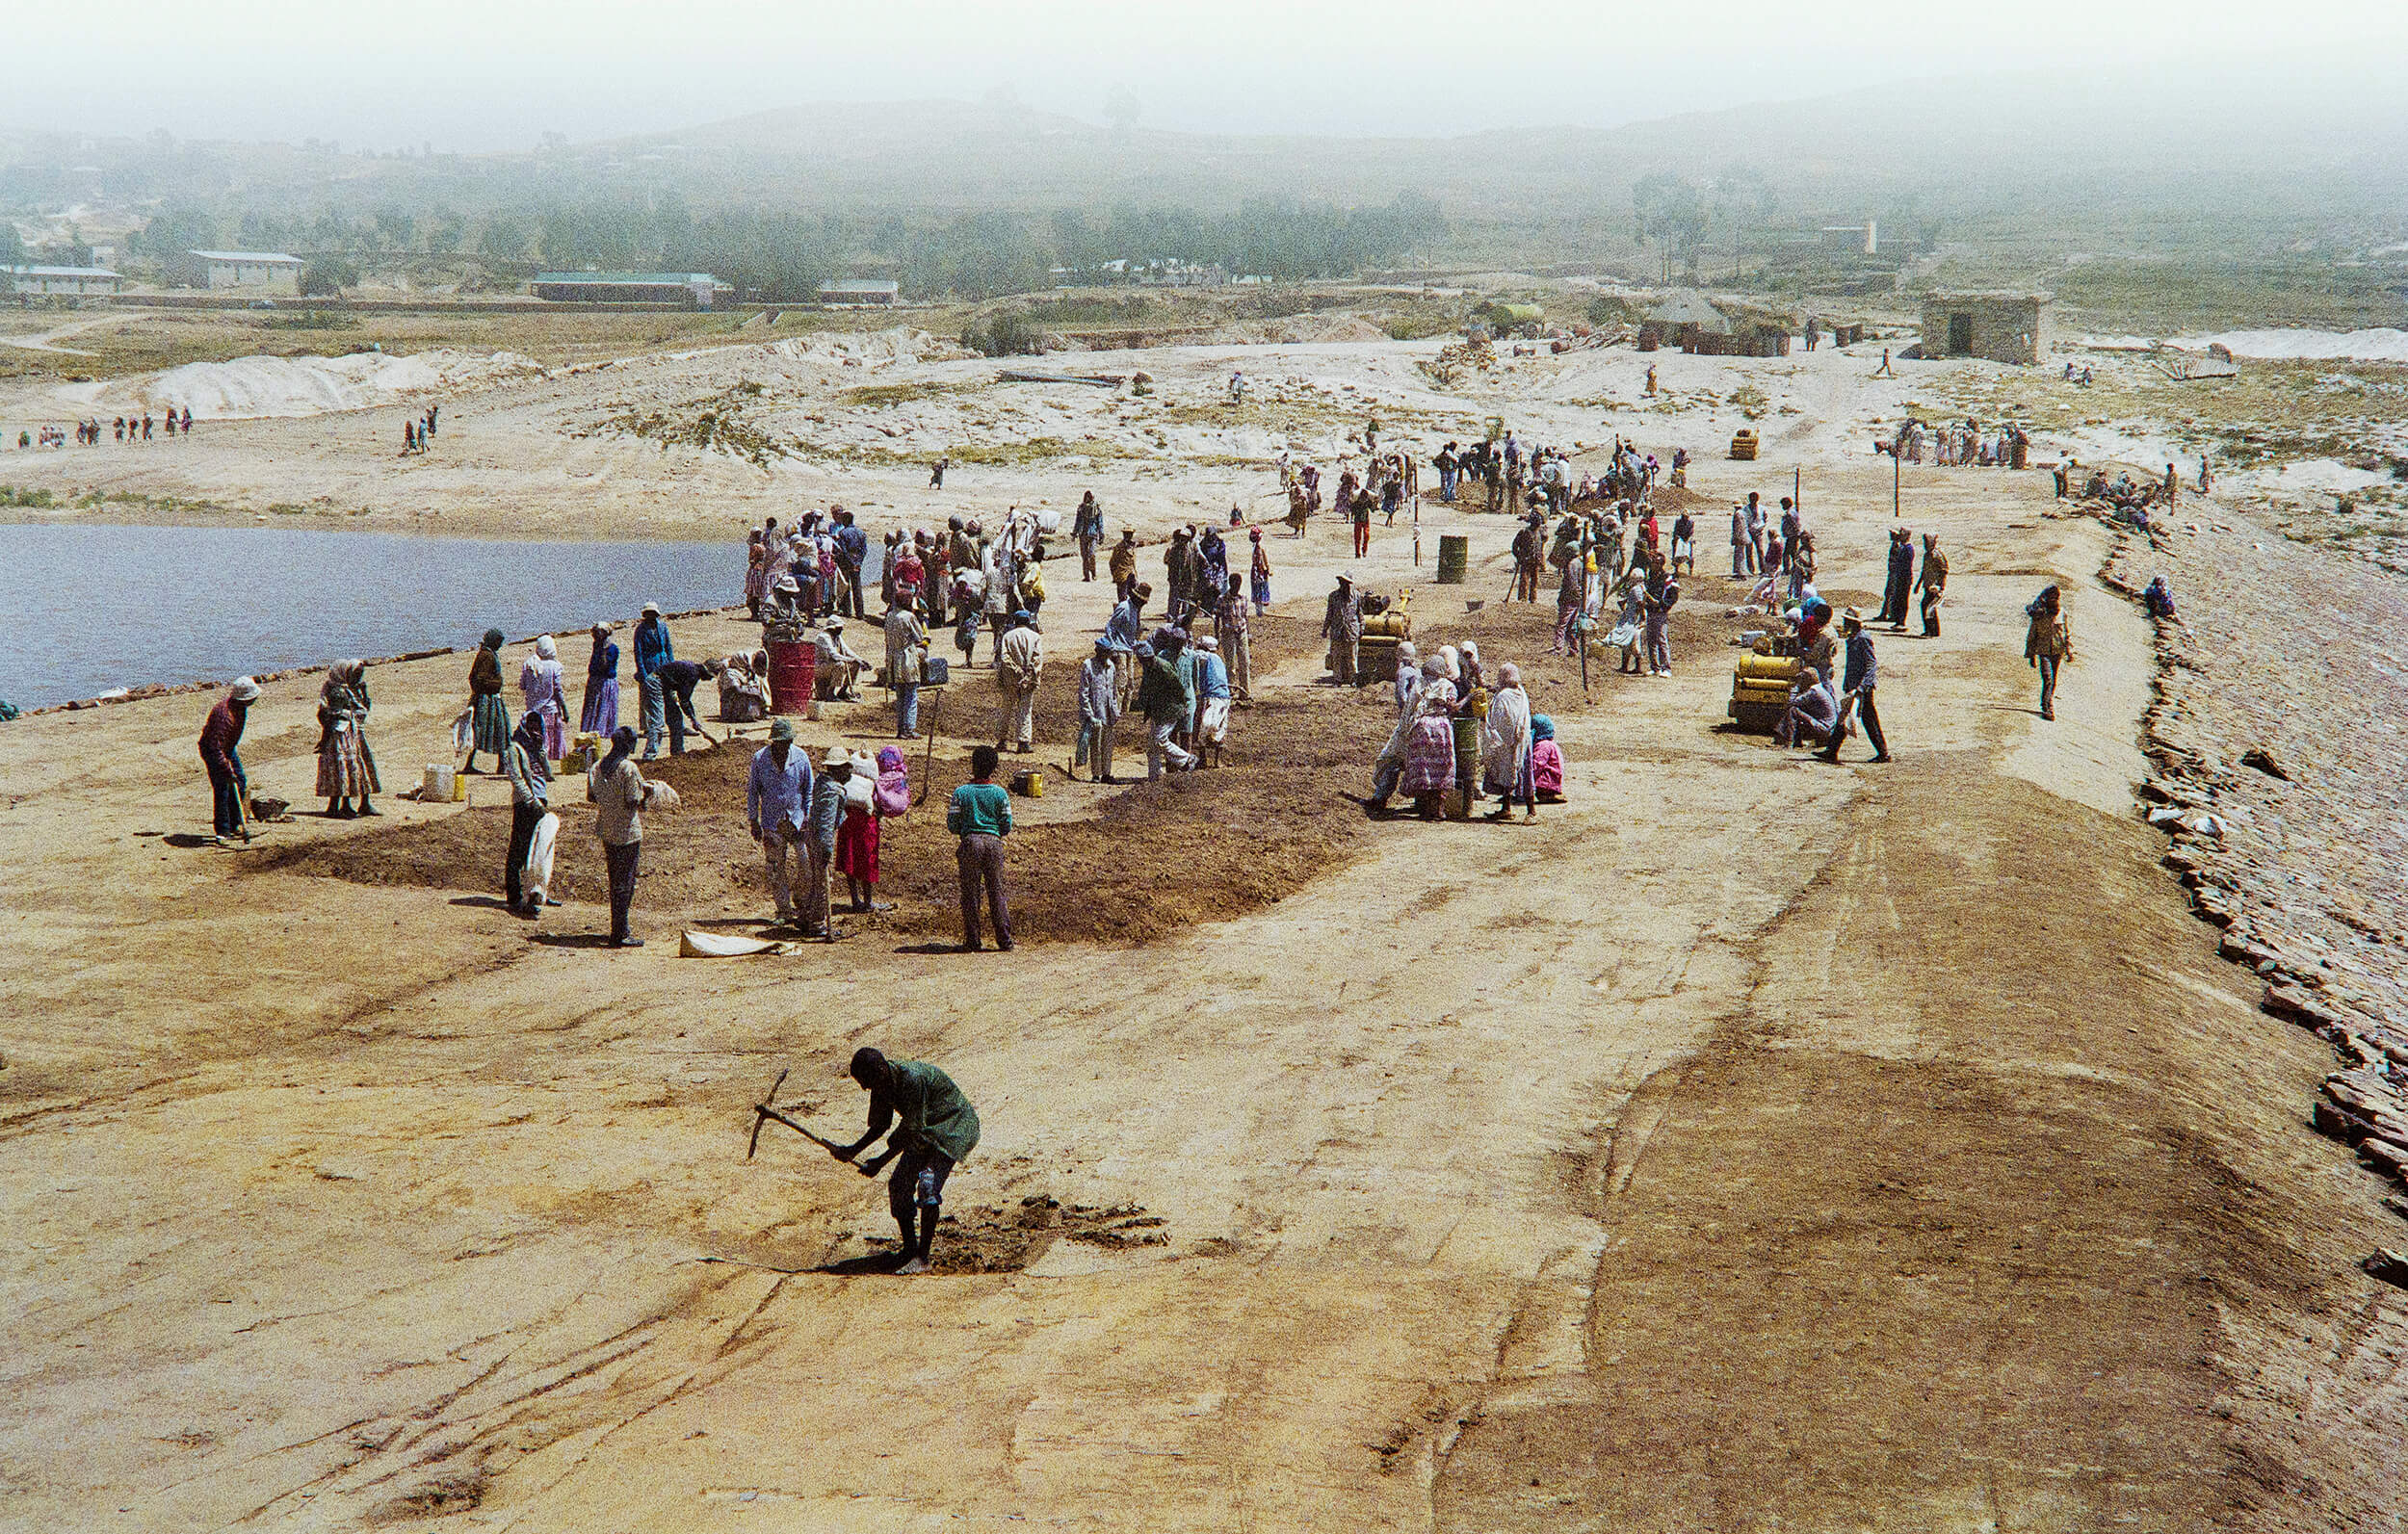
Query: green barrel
x,y
1454,558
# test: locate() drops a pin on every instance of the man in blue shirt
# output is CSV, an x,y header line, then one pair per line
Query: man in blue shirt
x,y
1211,700
777,800
1122,631
653,651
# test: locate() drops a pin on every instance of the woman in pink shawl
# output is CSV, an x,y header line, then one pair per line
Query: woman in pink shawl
x,y
1430,753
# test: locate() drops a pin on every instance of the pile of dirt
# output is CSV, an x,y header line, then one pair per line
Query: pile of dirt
x,y
1153,860
254,387
1158,857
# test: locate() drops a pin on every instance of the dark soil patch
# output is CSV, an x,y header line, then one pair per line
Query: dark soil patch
x,y
1155,857
438,1498
1006,1240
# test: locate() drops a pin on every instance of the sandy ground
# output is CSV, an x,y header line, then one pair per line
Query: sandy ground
x,y
1751,1144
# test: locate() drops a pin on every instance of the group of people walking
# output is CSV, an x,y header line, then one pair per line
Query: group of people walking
x,y
123,429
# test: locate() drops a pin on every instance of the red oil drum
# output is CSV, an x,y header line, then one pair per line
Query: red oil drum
x,y
794,667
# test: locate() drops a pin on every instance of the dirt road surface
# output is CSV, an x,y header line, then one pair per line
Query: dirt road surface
x,y
1751,1144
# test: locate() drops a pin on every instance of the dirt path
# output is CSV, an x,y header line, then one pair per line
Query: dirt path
x,y
1750,1143
47,340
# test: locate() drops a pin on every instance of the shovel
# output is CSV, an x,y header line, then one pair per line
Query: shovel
x,y
930,760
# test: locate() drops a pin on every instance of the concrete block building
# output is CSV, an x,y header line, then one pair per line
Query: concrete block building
x,y
266,271
698,290
71,282
1997,326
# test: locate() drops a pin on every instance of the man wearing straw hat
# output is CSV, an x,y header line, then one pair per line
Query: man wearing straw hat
x,y
1857,682
220,734
653,651
828,813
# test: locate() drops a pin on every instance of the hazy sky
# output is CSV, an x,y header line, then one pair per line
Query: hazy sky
x,y
497,73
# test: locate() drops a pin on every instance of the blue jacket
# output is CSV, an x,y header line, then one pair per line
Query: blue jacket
x,y
827,811
1123,629
653,649
1211,675
1862,668
779,799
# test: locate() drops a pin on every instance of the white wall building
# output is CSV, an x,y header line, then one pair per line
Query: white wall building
x,y
78,282
268,271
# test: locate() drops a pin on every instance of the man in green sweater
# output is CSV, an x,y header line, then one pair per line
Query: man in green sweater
x,y
980,815
938,1128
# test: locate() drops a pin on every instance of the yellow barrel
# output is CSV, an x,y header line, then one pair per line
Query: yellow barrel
x,y
1767,667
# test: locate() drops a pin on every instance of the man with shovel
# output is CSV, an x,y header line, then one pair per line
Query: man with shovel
x,y
938,1128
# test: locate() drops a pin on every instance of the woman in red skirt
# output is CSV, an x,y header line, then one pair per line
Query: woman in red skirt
x,y
868,803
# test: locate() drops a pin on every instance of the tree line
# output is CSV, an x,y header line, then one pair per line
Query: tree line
x,y
782,256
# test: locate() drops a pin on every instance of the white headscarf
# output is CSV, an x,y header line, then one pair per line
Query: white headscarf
x,y
1450,664
1506,738
546,648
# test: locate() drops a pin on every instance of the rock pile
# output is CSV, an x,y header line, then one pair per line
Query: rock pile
x,y
2275,738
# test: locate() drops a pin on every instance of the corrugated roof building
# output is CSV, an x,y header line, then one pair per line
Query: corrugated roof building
x,y
267,271
700,289
80,283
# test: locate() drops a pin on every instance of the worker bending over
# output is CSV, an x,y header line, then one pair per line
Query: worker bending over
x,y
938,1128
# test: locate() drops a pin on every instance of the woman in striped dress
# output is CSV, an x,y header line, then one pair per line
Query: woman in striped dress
x,y
347,770
489,718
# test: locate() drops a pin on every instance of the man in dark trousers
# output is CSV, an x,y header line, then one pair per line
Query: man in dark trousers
x,y
938,1128
530,800
980,815
1897,591
852,551
220,738
1857,681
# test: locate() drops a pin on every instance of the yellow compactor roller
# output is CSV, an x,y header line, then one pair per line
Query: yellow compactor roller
x,y
1759,691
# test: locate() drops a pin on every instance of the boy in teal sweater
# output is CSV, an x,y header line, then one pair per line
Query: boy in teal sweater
x,y
980,815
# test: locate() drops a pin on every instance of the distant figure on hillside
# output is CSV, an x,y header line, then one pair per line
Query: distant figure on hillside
x,y
1885,371
1236,389
937,473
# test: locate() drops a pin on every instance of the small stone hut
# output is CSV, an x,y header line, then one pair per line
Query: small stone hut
x,y
1997,326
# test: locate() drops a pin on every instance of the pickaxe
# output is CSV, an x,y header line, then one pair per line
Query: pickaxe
x,y
762,1113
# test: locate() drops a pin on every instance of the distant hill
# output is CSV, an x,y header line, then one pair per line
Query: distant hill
x,y
1958,148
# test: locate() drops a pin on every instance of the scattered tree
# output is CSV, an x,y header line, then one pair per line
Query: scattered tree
x,y
326,277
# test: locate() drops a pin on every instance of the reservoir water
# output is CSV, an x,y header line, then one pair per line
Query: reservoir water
x,y
86,609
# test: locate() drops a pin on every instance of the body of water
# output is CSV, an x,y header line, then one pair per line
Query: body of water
x,y
87,609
